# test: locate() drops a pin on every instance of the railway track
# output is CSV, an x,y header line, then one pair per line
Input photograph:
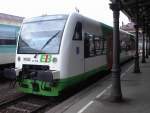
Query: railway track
x,y
26,104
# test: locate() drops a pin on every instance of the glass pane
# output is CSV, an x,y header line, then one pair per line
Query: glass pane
x,y
41,36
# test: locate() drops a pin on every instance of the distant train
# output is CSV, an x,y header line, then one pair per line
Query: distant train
x,y
8,36
58,51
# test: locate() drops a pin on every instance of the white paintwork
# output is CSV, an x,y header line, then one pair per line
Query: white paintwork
x,y
30,59
69,62
94,62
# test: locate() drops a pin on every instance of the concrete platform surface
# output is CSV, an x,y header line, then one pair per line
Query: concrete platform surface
x,y
135,90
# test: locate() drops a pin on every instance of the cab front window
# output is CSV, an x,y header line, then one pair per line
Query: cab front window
x,y
41,36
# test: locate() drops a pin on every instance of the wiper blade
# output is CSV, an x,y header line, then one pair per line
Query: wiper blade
x,y
50,40
23,41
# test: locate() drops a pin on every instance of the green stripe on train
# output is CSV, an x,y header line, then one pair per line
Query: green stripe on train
x,y
7,48
61,85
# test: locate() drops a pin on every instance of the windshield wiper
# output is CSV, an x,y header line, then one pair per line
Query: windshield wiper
x,y
50,40
23,42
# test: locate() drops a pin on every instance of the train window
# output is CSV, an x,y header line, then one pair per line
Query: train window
x,y
78,32
97,45
123,45
86,46
103,46
89,46
94,45
7,41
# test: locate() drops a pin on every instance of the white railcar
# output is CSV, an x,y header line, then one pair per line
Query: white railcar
x,y
58,51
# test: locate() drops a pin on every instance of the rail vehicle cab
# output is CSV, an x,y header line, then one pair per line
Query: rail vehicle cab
x,y
38,49
49,50
39,42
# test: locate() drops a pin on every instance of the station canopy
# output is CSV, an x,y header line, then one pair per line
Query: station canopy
x,y
131,7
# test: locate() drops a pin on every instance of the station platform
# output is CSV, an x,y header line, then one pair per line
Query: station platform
x,y
94,99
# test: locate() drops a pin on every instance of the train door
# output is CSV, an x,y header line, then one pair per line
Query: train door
x,y
78,55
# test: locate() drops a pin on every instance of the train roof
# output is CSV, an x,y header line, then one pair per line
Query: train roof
x,y
11,17
46,17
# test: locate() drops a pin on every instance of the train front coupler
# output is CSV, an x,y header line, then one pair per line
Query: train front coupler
x,y
35,78
41,75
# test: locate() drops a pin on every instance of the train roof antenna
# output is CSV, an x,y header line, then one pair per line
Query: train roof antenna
x,y
77,10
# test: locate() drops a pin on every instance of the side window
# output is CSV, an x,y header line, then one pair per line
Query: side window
x,y
78,32
97,45
94,45
103,46
86,46
125,45
89,46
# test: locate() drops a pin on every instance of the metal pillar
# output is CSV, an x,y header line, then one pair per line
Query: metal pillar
x,y
149,43
146,46
116,94
143,47
136,64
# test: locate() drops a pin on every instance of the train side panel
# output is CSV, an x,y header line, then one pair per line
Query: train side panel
x,y
71,51
74,66
8,35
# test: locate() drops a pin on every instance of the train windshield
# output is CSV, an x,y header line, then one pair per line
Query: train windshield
x,y
41,36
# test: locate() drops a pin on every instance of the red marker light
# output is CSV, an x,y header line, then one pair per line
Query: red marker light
x,y
46,58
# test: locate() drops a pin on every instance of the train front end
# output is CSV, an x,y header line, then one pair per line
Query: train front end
x,y
37,59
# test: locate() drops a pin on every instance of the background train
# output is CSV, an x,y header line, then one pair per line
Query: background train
x,y
9,30
8,36
58,51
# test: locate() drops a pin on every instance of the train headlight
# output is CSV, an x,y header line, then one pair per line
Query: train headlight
x,y
19,58
54,60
